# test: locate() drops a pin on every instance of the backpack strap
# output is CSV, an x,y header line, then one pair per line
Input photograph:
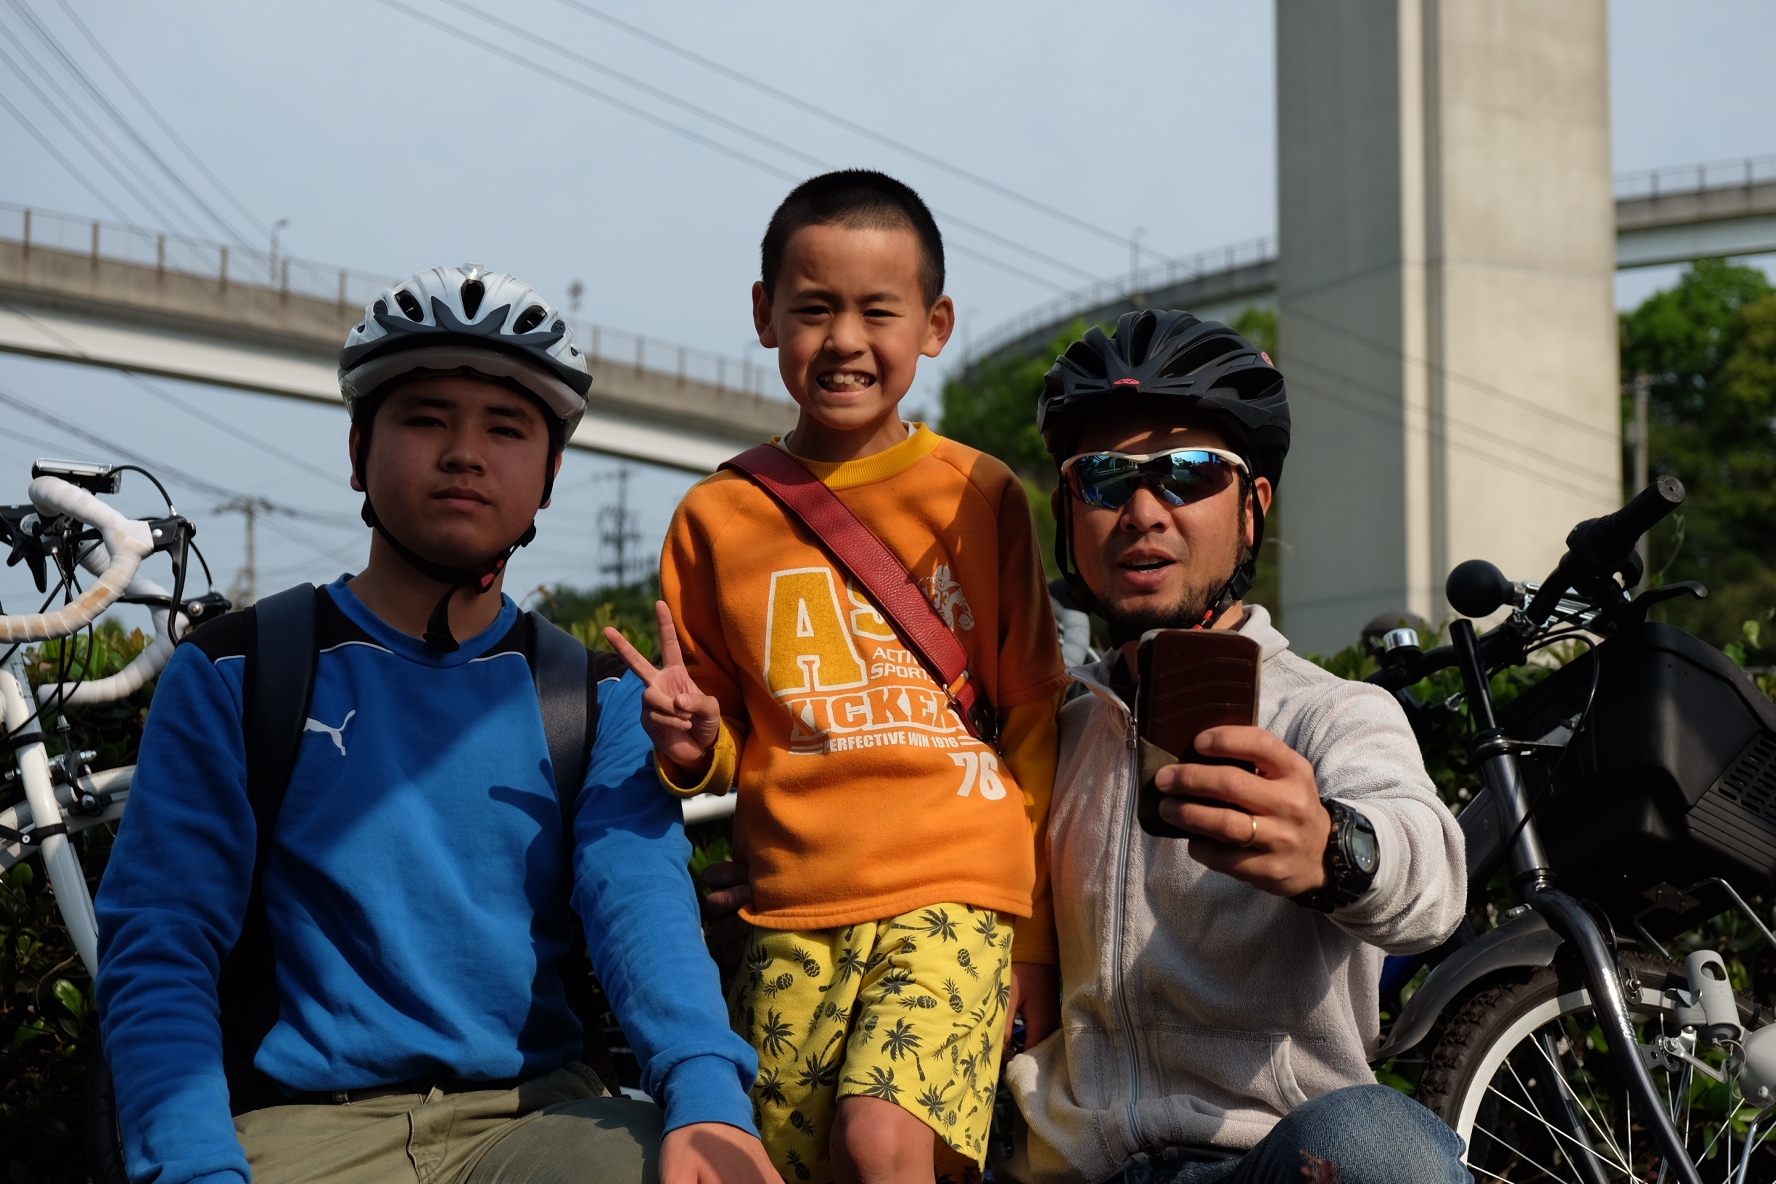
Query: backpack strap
x,y
279,683
562,668
566,675
806,499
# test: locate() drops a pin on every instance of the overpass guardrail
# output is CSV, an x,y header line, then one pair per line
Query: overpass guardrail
x,y
233,266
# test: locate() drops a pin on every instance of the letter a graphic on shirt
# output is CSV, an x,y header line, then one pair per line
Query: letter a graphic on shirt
x,y
807,647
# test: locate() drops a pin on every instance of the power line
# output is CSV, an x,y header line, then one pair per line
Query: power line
x,y
49,147
191,480
325,549
166,396
1443,371
80,76
80,136
223,425
738,128
819,112
676,129
92,125
166,127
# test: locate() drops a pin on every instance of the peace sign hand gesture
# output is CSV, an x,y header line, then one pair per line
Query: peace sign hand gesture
x,y
681,720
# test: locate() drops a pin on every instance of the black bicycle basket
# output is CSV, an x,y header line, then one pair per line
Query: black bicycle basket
x,y
1671,779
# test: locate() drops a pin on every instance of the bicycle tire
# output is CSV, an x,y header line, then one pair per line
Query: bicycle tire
x,y
1483,1078
103,1134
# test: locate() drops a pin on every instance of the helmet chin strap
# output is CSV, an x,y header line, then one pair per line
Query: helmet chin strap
x,y
482,578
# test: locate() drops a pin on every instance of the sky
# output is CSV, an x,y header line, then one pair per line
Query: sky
x,y
390,145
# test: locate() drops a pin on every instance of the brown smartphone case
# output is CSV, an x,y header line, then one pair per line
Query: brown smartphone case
x,y
1190,680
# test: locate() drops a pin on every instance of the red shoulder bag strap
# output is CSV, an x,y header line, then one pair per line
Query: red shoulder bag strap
x,y
856,549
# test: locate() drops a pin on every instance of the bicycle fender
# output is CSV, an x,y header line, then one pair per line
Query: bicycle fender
x,y
1525,941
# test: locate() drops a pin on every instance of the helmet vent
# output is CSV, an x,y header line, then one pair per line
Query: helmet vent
x,y
1143,327
472,292
380,308
529,319
558,327
409,305
1200,355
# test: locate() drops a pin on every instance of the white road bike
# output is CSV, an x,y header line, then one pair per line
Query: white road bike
x,y
66,529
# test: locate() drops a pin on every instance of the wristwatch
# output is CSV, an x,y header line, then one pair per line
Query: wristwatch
x,y
1352,855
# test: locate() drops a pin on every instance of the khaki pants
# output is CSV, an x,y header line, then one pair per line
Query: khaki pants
x,y
557,1127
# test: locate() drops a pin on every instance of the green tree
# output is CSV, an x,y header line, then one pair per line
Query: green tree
x,y
1708,348
992,407
584,612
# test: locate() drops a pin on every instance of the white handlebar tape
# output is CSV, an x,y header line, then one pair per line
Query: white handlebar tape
x,y
127,540
146,665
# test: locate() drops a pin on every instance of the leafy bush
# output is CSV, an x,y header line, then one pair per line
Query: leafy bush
x,y
48,1024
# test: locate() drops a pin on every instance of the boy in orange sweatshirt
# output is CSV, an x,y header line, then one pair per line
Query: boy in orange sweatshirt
x,y
898,894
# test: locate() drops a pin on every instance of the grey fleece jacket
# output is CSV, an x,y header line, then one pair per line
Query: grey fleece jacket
x,y
1196,1009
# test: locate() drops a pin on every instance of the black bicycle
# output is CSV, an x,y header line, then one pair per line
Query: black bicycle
x,y
1631,795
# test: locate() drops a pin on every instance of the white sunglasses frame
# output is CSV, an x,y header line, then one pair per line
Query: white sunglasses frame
x,y
1141,458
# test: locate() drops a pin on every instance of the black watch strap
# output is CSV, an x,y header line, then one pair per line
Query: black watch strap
x,y
1350,861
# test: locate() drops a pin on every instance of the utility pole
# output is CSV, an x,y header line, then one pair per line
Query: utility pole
x,y
276,228
1136,296
617,533
1643,385
245,588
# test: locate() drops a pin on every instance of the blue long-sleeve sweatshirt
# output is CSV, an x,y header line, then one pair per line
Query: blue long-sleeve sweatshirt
x,y
415,891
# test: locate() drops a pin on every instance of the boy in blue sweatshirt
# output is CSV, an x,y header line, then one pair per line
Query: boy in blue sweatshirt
x,y
420,886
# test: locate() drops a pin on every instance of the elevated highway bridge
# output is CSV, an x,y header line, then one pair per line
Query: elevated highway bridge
x,y
102,294
1670,215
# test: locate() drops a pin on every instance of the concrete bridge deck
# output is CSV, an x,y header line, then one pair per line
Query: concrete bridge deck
x,y
1667,215
177,308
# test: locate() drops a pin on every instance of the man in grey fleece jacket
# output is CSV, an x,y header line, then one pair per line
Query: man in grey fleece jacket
x,y
1219,994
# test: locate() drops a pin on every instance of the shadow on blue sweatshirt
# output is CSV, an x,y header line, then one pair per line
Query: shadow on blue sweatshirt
x,y
417,890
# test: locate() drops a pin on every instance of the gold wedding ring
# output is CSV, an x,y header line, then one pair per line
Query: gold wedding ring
x,y
1253,837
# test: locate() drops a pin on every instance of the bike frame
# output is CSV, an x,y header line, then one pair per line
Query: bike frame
x,y
1533,877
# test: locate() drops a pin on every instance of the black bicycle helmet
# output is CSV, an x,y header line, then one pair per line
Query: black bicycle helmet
x,y
1169,359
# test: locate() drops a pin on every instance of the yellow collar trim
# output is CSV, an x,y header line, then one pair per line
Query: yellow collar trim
x,y
890,462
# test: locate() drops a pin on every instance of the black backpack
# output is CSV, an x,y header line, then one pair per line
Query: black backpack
x,y
279,683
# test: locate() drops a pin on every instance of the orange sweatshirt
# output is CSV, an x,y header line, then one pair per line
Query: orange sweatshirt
x,y
861,794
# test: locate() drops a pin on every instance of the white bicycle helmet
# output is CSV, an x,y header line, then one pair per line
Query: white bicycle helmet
x,y
449,320
466,318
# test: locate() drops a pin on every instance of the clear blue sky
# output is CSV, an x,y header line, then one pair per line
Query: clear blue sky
x,y
390,145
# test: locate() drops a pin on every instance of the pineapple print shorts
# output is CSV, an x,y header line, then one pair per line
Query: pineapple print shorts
x,y
910,1009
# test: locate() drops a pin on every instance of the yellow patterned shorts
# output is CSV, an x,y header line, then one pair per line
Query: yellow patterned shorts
x,y
910,1010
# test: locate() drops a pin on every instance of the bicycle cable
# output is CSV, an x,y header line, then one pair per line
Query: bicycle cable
x,y
164,495
1547,787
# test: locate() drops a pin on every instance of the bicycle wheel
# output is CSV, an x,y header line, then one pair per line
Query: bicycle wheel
x,y
104,1139
1524,1076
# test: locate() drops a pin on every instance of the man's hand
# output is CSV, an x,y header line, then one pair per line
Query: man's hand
x,y
1036,995
726,893
681,720
714,1153
1274,835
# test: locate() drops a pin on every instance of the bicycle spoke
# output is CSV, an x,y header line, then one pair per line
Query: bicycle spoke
x,y
1553,1129
1525,1158
1601,1131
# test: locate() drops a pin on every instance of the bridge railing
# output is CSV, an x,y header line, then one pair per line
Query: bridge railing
x,y
613,347
1218,261
1695,178
226,264
229,265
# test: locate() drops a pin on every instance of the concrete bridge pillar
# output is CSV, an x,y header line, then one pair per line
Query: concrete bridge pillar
x,y
1445,288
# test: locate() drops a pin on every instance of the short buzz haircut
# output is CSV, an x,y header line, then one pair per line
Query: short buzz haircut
x,y
860,199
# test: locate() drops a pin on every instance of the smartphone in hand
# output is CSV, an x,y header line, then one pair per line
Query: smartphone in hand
x,y
1190,680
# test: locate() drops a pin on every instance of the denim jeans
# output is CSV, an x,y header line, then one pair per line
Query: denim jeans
x,y
1366,1134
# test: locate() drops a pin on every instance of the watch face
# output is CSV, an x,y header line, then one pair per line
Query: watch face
x,y
1363,852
